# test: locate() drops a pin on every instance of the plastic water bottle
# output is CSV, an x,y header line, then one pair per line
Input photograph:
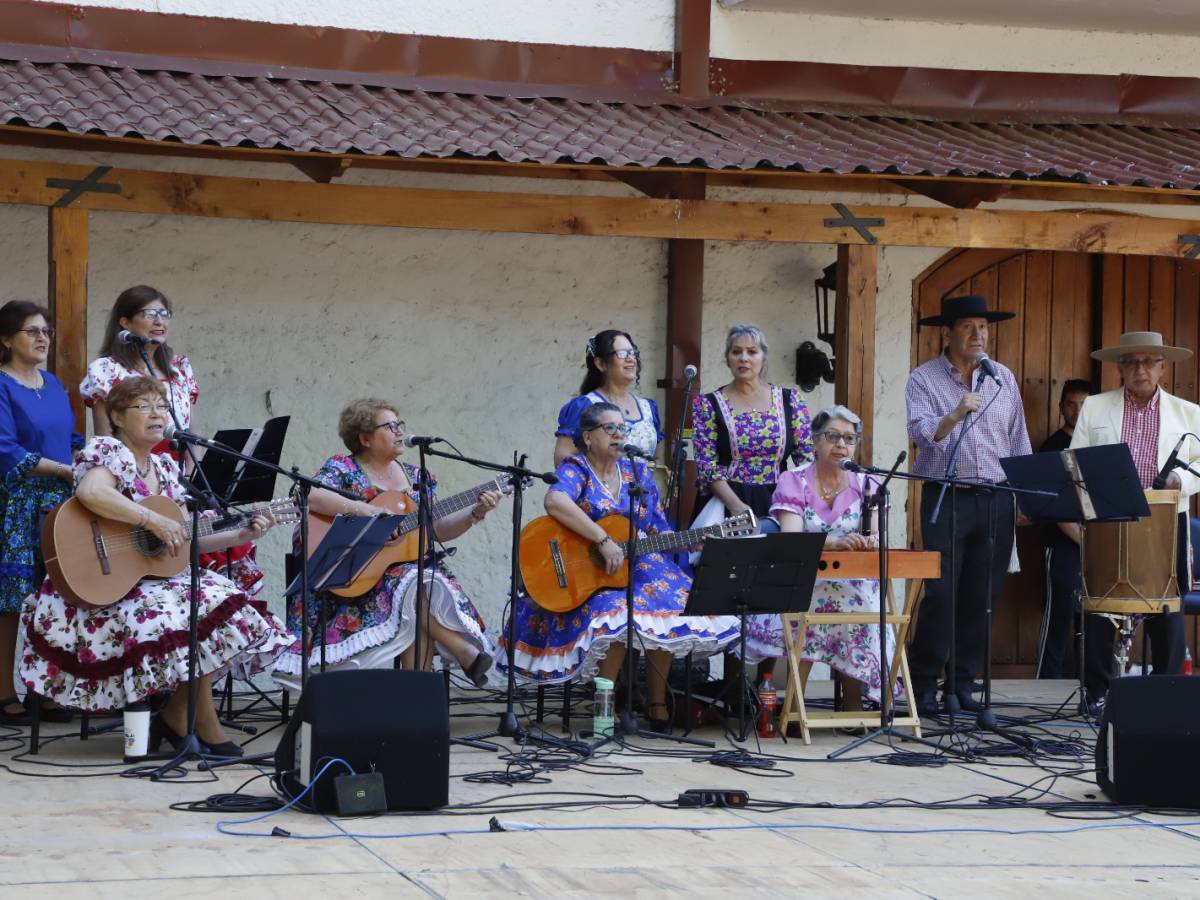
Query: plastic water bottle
x,y
602,709
766,707
1187,661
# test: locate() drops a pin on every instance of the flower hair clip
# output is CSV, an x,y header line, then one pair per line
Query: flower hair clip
x,y
591,346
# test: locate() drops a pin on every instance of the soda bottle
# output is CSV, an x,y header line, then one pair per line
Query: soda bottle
x,y
766,707
1187,661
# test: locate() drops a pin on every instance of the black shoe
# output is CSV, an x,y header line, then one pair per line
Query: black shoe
x,y
967,701
227,749
159,730
663,725
927,703
478,670
10,718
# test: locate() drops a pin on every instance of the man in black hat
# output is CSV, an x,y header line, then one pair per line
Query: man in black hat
x,y
959,413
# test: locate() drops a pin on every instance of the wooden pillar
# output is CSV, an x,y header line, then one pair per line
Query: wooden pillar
x,y
685,319
67,300
693,33
854,324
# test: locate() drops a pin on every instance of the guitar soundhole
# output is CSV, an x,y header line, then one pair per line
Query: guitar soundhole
x,y
146,543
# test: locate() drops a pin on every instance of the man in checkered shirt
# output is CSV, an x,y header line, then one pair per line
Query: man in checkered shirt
x,y
1151,422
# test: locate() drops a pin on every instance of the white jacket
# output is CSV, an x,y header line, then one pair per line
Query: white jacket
x,y
1100,423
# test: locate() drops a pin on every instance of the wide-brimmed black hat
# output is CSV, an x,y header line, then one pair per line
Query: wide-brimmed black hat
x,y
971,306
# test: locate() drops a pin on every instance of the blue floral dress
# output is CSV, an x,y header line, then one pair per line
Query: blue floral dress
x,y
372,630
107,658
852,650
645,431
553,647
33,424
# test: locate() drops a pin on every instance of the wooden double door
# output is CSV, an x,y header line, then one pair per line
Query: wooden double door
x,y
1066,305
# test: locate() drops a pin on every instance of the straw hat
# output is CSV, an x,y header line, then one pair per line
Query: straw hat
x,y
1142,342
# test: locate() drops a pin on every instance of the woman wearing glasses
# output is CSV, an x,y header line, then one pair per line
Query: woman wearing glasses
x,y
825,498
146,313
37,435
554,647
372,630
613,369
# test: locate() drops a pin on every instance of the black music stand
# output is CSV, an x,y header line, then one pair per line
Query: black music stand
x,y
1090,484
351,543
768,573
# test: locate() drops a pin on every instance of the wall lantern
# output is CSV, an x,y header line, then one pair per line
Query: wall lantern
x,y
812,364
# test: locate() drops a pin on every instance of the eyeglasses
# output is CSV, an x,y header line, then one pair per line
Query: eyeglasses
x,y
613,429
1139,362
838,437
633,353
155,313
393,427
34,332
146,409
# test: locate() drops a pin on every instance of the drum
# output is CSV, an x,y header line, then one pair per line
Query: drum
x,y
1129,567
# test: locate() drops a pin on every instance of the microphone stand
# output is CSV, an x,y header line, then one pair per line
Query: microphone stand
x,y
674,498
508,726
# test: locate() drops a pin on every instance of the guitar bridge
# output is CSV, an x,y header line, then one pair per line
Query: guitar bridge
x,y
556,558
101,550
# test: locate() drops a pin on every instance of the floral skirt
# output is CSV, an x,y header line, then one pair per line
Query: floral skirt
x,y
554,647
240,563
102,659
370,631
24,501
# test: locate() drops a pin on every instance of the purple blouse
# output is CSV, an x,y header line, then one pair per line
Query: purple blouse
x,y
758,437
797,492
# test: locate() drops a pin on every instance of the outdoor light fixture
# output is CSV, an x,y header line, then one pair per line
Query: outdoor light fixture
x,y
812,364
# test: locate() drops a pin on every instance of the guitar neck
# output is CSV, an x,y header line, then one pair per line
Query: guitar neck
x,y
672,540
234,520
450,505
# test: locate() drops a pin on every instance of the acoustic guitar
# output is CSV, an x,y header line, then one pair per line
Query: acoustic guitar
x,y
562,569
403,545
94,561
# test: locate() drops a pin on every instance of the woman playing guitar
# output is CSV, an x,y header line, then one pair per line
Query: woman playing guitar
x,y
557,647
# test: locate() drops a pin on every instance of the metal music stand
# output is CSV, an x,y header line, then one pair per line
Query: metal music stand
x,y
768,573
231,478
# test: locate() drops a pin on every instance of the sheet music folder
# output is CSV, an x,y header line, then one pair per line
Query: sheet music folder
x,y
232,479
351,542
1091,484
769,573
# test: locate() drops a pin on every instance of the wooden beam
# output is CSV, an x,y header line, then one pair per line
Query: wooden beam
x,y
322,171
958,194
693,41
67,300
172,193
854,325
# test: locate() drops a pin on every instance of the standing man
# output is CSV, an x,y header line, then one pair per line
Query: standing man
x,y
1151,422
1064,552
949,398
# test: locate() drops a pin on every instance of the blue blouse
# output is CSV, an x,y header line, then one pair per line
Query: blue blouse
x,y
33,426
647,428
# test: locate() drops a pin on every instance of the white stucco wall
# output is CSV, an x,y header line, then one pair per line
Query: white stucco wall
x,y
736,33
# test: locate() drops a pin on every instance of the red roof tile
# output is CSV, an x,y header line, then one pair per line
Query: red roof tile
x,y
331,118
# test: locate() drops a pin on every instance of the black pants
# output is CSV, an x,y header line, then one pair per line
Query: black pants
x,y
980,514
1065,582
1165,631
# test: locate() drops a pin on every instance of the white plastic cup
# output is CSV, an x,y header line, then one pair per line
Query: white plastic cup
x,y
137,730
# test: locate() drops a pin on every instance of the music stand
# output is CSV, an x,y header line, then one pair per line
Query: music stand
x,y
767,573
231,479
1090,484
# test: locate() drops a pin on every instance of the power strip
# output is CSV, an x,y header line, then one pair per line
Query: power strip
x,y
698,797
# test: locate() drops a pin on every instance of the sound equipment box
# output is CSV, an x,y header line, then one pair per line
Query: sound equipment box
x,y
389,721
1149,741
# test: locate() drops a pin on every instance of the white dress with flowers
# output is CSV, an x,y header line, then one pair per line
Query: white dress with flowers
x,y
101,659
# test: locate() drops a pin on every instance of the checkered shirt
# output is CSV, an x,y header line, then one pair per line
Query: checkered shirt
x,y
1139,429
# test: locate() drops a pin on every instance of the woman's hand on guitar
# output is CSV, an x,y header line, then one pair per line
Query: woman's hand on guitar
x,y
613,555
168,531
257,527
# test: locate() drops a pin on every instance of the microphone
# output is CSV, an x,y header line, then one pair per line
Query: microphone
x,y
635,450
420,440
989,368
128,337
851,466
1160,480
170,432
690,371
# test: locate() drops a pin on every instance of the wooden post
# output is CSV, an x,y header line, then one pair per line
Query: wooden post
x,y
693,34
685,316
67,300
854,324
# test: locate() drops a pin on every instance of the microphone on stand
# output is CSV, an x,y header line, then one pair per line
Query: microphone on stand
x,y
420,440
128,337
690,371
1160,480
170,432
851,466
989,368
635,450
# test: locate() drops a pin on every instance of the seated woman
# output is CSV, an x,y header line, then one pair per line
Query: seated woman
x,y
557,647
372,630
823,497
110,657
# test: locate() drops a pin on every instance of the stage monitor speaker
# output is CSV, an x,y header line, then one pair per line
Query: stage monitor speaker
x,y
391,721
1149,738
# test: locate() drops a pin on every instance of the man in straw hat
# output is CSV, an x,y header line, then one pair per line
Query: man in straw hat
x,y
1151,422
951,397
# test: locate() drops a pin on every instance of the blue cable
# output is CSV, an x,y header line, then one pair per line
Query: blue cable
x,y
221,824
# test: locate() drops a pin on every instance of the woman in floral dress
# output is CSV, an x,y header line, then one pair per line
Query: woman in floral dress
x,y
372,630
147,313
37,436
555,647
110,657
823,497
614,367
